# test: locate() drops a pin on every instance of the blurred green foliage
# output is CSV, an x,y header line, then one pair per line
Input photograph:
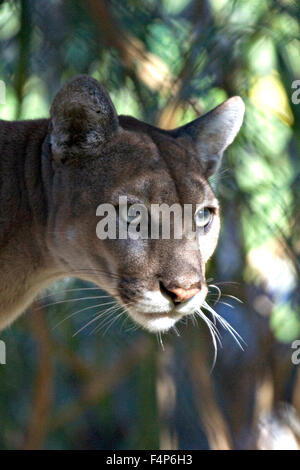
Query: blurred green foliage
x,y
164,62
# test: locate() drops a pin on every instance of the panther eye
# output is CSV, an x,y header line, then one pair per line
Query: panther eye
x,y
130,215
203,217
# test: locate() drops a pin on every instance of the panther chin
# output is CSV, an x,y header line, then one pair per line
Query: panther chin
x,y
156,312
155,322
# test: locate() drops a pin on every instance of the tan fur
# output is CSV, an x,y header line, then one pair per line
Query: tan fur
x,y
55,172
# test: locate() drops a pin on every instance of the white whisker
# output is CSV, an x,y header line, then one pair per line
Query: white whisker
x,y
194,320
81,310
238,339
214,335
111,322
176,331
108,319
233,297
99,315
132,327
218,291
226,303
58,292
75,300
160,340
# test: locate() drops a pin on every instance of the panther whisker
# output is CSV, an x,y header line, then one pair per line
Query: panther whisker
x,y
213,326
109,311
233,297
234,283
218,291
133,327
193,318
58,292
113,321
73,300
238,339
79,311
104,322
95,270
160,340
176,331
220,294
97,317
225,303
214,335
107,317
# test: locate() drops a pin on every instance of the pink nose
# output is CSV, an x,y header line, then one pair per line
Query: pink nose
x,y
184,294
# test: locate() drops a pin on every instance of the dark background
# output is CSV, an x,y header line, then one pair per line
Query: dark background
x,y
167,62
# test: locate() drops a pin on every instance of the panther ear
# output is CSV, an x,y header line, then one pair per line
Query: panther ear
x,y
83,118
213,132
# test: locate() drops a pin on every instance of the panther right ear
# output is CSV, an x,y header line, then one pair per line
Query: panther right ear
x,y
83,118
213,132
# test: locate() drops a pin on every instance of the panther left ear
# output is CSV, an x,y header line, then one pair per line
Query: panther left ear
x,y
214,132
83,118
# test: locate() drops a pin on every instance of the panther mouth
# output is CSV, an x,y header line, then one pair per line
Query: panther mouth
x,y
156,322
155,311
159,317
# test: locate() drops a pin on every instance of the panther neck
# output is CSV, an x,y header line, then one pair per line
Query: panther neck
x,y
22,199
25,262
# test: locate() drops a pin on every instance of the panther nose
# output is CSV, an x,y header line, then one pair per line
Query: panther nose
x,y
179,294
184,294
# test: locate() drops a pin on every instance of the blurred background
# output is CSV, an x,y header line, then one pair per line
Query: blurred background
x,y
167,62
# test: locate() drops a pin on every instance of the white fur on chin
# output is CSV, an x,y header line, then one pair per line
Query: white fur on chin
x,y
156,312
